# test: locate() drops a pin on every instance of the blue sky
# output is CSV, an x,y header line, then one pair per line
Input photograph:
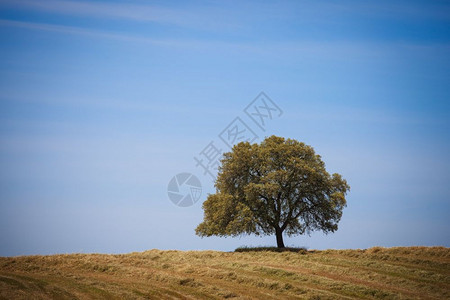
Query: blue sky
x,y
102,103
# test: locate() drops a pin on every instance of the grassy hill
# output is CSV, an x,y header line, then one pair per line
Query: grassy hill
x,y
390,273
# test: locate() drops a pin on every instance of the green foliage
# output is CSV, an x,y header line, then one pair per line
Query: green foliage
x,y
277,186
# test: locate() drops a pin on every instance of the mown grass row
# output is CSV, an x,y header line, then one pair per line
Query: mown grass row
x,y
376,273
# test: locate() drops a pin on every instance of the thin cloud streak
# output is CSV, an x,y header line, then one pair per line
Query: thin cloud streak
x,y
211,17
204,18
129,11
312,48
77,31
117,36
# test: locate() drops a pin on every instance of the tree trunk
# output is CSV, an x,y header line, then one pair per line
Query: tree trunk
x,y
279,234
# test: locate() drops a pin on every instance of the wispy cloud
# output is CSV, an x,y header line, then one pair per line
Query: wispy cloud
x,y
205,18
209,14
425,10
112,10
78,31
302,47
127,37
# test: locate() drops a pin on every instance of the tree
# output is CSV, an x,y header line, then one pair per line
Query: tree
x,y
278,186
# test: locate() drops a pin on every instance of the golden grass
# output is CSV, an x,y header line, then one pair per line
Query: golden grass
x,y
390,273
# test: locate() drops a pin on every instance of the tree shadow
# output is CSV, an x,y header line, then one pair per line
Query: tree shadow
x,y
301,250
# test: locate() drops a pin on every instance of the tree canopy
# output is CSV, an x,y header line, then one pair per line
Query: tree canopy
x,y
278,186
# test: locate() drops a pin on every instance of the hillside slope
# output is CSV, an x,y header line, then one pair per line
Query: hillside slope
x,y
391,273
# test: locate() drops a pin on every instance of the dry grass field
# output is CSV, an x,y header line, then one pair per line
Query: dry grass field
x,y
386,273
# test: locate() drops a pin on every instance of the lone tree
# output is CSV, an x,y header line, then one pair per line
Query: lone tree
x,y
279,186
